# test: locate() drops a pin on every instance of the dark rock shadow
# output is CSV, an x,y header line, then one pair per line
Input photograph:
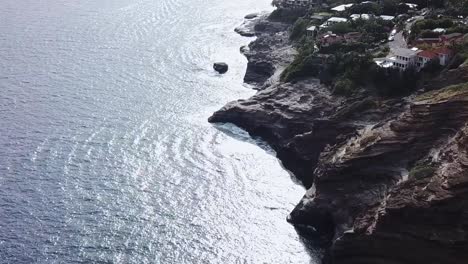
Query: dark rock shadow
x,y
316,244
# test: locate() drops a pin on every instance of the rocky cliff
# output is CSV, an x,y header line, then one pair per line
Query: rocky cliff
x,y
423,219
269,53
396,192
387,179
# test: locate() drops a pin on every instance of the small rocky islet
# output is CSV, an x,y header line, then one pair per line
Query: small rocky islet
x,y
221,67
387,175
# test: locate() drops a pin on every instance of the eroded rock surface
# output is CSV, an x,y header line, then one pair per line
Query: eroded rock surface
x,y
421,220
269,53
370,191
387,179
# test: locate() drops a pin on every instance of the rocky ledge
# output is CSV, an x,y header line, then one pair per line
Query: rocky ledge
x,y
299,120
269,53
387,179
397,192
421,220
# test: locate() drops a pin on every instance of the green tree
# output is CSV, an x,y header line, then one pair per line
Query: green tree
x,y
299,29
344,87
390,7
341,28
394,82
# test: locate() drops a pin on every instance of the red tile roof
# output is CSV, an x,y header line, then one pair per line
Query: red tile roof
x,y
443,51
427,54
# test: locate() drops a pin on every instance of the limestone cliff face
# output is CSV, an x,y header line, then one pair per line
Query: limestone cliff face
x,y
450,77
398,189
269,53
387,179
421,220
292,118
299,120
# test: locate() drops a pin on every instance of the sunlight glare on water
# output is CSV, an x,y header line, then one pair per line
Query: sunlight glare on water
x,y
105,152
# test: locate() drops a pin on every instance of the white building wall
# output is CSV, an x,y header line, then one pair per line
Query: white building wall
x,y
443,59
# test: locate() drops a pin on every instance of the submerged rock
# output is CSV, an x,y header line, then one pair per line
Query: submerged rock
x,y
221,67
252,16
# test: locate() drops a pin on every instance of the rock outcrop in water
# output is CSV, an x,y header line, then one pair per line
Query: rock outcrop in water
x,y
221,67
387,179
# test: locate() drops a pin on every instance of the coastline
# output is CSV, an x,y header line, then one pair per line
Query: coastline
x,y
357,157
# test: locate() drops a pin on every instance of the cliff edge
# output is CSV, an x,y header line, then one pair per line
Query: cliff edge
x,y
387,179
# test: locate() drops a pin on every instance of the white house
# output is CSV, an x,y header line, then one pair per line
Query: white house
x,y
360,16
312,31
387,18
384,62
404,58
439,30
424,57
411,6
341,8
332,21
445,55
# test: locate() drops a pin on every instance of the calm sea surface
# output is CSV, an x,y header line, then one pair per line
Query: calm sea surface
x,y
105,152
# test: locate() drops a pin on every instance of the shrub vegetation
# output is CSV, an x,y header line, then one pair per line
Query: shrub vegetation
x,y
421,171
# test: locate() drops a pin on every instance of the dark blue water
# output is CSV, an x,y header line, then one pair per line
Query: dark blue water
x,y
105,152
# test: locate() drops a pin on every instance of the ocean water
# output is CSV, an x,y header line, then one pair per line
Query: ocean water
x,y
105,152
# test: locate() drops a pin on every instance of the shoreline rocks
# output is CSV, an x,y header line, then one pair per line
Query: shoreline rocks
x,y
387,179
269,52
247,28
